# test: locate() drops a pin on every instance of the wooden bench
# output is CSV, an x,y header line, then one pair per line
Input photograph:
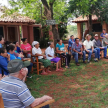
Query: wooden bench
x,y
39,106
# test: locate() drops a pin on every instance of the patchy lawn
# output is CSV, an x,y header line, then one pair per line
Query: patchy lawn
x,y
85,86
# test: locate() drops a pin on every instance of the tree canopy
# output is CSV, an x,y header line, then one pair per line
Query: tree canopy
x,y
35,9
89,8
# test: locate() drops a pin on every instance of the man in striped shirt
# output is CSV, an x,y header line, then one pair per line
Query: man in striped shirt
x,y
14,91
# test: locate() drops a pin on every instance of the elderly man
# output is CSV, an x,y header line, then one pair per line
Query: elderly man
x,y
77,51
89,49
14,91
98,46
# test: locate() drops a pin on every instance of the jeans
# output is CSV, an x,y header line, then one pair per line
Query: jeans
x,y
47,106
98,52
90,53
29,68
75,54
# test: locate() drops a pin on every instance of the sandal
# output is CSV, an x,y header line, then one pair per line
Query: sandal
x,y
44,73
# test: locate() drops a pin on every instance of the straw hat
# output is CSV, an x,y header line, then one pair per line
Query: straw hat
x,y
87,36
96,34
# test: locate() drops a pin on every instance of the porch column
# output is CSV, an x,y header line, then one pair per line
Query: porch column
x,y
24,31
19,40
5,31
31,36
79,30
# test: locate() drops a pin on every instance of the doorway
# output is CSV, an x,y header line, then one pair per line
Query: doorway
x,y
36,31
12,34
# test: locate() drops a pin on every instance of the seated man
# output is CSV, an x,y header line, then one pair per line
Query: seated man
x,y
77,50
105,41
4,59
98,46
89,49
14,91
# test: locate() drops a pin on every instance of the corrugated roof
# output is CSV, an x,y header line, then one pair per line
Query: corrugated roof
x,y
15,18
85,19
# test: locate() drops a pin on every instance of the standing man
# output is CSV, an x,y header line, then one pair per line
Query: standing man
x,y
1,41
14,91
77,50
98,46
70,42
89,49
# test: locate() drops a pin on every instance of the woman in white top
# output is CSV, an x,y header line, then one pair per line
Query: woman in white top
x,y
50,55
42,58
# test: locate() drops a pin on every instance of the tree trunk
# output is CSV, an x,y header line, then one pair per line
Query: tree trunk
x,y
90,24
49,15
55,34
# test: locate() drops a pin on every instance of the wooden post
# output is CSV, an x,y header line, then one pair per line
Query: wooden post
x,y
79,30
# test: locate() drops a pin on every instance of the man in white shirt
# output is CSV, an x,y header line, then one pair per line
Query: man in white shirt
x,y
89,49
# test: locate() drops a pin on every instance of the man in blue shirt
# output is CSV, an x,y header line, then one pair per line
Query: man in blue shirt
x,y
78,51
70,42
103,35
4,59
1,41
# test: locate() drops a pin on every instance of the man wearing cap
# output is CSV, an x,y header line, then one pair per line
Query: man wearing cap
x,y
98,46
14,91
89,49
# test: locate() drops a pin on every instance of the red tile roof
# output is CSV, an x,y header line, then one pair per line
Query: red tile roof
x,y
17,19
85,19
14,18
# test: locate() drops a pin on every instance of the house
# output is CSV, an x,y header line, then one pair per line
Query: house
x,y
96,26
15,27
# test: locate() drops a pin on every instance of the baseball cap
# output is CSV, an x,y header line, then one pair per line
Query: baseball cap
x,y
16,65
96,34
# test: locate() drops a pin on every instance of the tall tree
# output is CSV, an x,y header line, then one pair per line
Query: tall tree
x,y
88,8
42,10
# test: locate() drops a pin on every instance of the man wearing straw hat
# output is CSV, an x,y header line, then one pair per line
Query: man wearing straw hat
x,y
98,46
89,49
14,91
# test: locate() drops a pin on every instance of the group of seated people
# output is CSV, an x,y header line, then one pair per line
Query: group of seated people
x,y
16,69
88,47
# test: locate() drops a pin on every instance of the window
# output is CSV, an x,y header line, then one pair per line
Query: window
x,y
97,27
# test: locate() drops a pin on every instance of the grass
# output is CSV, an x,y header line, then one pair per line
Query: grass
x,y
85,86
